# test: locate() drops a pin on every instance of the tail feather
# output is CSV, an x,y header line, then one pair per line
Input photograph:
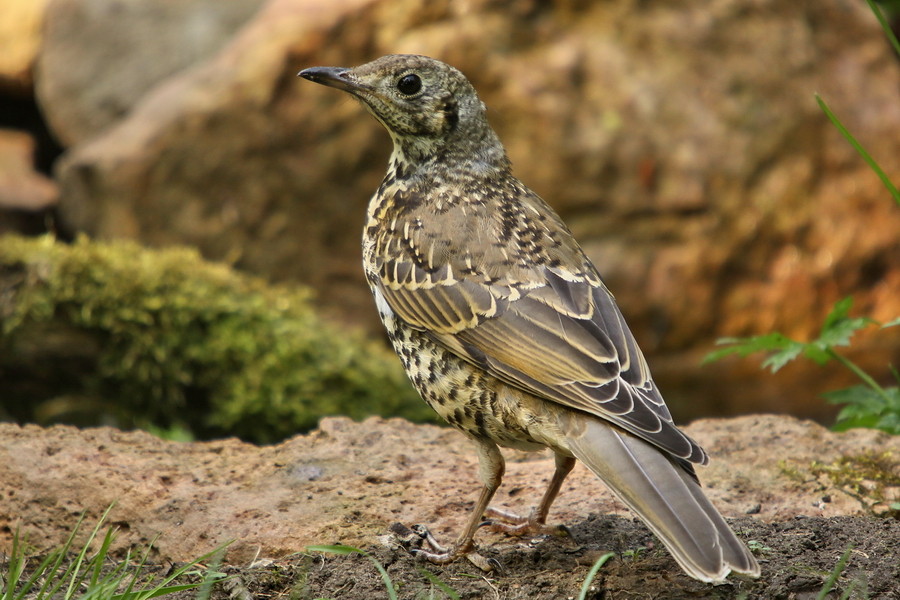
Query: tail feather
x,y
664,495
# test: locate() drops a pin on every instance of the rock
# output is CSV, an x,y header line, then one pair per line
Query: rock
x,y
20,38
681,143
91,73
21,187
348,482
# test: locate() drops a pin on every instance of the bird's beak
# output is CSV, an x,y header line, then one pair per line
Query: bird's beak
x,y
336,77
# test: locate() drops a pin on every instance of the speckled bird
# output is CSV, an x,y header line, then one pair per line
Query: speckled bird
x,y
504,325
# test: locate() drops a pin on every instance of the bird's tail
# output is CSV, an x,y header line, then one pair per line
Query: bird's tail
x,y
664,495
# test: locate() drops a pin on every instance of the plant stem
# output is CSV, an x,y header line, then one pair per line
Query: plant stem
x,y
866,378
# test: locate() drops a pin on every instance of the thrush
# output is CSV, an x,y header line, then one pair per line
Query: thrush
x,y
504,325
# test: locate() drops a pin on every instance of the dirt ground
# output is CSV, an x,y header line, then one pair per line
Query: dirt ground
x,y
797,557
800,495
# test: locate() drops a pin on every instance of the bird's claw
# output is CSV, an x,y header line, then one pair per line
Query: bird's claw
x,y
420,542
488,565
503,521
425,534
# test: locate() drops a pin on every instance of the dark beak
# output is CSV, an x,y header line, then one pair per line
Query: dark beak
x,y
335,77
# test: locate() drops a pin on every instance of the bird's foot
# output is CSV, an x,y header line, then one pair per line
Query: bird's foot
x,y
512,524
420,542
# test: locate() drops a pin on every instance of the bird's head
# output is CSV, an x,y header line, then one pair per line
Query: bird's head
x,y
427,106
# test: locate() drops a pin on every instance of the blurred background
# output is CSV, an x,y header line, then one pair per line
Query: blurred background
x,y
681,142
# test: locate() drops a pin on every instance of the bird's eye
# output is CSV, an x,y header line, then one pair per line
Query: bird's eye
x,y
409,84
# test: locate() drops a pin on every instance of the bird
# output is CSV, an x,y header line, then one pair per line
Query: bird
x,y
505,327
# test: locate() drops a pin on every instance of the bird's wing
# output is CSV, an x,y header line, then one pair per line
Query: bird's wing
x,y
559,336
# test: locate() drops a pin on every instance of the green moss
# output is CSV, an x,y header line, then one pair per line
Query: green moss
x,y
165,337
792,472
871,477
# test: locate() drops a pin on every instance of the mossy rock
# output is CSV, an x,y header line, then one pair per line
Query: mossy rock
x,y
117,333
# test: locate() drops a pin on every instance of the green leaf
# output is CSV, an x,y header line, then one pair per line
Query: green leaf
x,y
867,407
857,395
838,327
840,311
817,353
891,323
783,349
839,333
777,360
719,354
771,342
890,423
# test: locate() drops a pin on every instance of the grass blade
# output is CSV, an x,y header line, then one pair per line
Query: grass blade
x,y
51,565
598,564
862,151
449,591
344,550
155,593
335,549
74,572
96,564
835,573
15,568
84,578
140,566
166,584
884,25
42,569
388,584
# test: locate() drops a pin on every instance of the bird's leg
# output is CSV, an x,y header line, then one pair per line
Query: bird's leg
x,y
536,522
490,468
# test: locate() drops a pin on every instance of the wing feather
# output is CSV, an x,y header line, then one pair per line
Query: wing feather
x,y
560,337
